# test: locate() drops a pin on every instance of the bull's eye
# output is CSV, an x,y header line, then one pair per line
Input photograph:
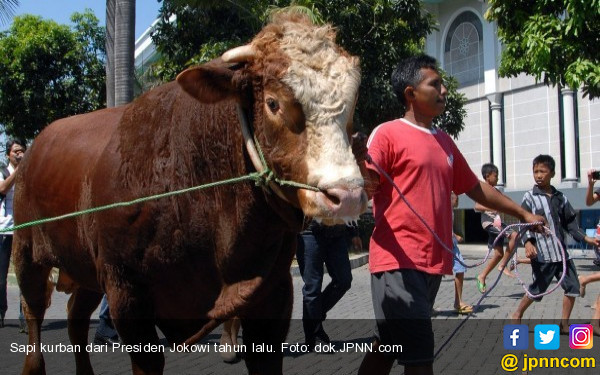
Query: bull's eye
x,y
273,105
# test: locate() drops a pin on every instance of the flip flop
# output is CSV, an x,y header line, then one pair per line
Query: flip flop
x,y
481,286
464,310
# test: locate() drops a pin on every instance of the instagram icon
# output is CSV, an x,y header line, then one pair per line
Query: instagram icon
x,y
580,336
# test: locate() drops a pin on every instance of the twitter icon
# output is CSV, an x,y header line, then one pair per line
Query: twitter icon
x,y
546,337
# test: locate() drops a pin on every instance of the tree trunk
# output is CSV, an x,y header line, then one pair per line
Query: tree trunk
x,y
110,53
124,49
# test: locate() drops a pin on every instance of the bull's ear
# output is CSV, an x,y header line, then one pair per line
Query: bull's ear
x,y
209,83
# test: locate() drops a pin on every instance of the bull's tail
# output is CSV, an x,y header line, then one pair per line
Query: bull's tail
x,y
205,330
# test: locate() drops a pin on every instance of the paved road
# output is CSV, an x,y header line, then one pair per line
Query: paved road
x,y
474,347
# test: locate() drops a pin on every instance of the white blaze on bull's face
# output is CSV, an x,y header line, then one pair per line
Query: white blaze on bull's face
x,y
325,82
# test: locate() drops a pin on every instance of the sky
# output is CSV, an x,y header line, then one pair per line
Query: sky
x,y
60,11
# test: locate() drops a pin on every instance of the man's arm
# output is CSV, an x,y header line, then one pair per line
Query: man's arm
x,y
490,197
360,151
570,218
371,180
590,196
6,185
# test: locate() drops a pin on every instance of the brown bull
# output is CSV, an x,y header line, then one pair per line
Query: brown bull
x,y
187,262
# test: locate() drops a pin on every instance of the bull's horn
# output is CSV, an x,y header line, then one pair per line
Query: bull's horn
x,y
239,54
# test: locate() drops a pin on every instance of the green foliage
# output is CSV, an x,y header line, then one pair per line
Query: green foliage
x,y
49,71
555,41
452,120
381,32
203,30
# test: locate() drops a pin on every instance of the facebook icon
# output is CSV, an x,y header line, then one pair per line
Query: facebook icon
x,y
516,336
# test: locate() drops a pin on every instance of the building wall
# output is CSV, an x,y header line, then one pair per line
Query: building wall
x,y
531,112
474,141
588,113
531,128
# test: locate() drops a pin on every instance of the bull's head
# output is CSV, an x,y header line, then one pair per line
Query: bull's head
x,y
300,90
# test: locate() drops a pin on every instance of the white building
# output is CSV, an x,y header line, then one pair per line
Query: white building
x,y
512,120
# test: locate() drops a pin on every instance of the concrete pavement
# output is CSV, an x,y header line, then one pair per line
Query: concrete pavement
x,y
464,347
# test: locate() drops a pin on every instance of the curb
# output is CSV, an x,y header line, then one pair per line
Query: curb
x,y
11,279
356,261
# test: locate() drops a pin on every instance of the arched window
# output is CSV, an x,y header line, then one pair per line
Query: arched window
x,y
463,49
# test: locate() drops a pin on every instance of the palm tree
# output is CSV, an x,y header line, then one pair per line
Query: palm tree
x,y
110,53
120,47
7,10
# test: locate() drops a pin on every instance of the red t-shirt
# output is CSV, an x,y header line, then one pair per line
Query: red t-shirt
x,y
426,166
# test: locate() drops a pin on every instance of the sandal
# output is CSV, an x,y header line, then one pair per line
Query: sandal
x,y
464,310
481,286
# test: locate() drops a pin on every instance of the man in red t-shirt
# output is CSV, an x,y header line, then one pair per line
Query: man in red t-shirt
x,y
406,261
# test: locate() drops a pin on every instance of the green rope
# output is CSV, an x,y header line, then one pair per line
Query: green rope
x,y
274,178
260,179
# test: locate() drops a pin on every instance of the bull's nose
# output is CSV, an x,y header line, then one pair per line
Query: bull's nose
x,y
347,202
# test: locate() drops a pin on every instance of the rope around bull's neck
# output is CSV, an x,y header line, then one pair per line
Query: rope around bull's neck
x,y
257,157
263,178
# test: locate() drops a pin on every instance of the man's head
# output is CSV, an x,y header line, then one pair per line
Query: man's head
x,y
489,172
543,170
418,85
15,149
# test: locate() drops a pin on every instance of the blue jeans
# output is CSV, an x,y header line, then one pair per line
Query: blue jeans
x,y
105,327
314,251
5,250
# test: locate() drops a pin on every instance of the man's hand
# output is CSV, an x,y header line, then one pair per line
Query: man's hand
x,y
590,177
359,146
531,218
592,241
530,250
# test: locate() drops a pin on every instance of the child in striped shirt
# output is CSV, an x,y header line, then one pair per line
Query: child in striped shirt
x,y
544,250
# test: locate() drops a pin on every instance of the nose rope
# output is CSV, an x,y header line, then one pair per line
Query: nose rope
x,y
523,227
259,161
270,175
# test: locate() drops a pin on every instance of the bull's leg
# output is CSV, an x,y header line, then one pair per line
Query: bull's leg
x,y
132,314
229,336
33,280
82,304
267,326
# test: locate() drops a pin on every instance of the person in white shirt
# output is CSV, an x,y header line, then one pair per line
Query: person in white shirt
x,y
15,149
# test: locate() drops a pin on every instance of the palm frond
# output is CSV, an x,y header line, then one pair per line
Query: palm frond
x,y
7,10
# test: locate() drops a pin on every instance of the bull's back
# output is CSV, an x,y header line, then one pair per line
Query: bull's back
x,y
61,162
54,179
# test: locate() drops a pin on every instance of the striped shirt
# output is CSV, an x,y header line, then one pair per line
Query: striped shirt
x,y
560,216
